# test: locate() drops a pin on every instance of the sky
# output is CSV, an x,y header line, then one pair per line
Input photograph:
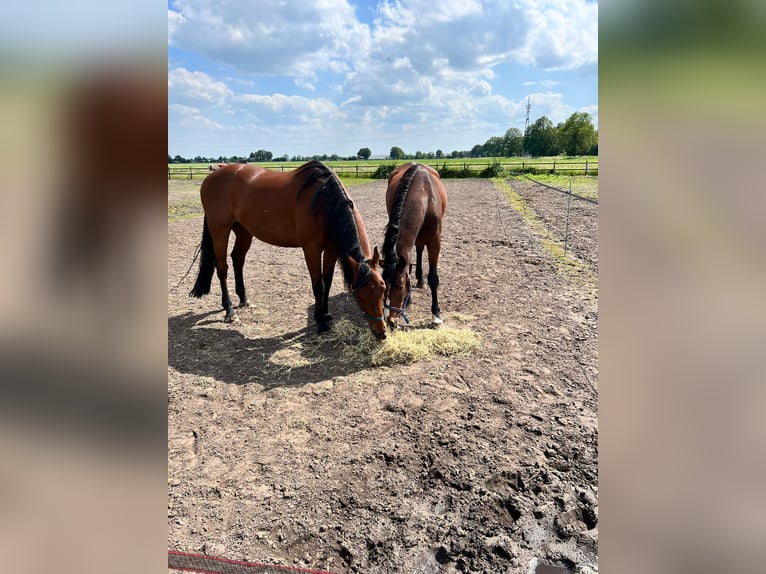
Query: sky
x,y
306,77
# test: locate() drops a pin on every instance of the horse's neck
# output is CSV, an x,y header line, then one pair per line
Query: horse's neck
x,y
364,241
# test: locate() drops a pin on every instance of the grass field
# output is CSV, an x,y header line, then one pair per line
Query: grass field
x,y
456,162
460,167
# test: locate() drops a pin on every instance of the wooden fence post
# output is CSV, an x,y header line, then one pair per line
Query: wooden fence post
x,y
554,166
190,172
357,170
586,167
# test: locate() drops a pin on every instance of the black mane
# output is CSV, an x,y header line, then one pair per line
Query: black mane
x,y
390,256
330,199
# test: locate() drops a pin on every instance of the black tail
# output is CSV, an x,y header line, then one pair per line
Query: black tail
x,y
206,264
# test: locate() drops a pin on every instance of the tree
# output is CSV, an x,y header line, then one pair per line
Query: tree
x,y
577,135
513,142
439,154
396,153
364,153
540,138
476,151
493,147
260,155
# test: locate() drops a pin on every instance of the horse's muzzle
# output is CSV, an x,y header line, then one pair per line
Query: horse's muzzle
x,y
379,335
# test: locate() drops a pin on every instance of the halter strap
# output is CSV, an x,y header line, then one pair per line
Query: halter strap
x,y
372,317
401,309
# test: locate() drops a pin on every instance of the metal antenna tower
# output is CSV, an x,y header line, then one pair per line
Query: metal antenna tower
x,y
526,125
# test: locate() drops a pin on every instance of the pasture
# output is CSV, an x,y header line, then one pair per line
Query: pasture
x,y
285,448
353,170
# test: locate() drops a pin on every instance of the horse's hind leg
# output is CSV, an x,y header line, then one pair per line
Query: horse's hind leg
x,y
433,280
241,245
220,243
419,266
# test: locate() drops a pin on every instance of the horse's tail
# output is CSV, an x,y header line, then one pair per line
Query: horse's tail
x,y
206,264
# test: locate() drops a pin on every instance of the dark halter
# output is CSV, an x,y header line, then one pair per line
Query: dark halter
x,y
401,309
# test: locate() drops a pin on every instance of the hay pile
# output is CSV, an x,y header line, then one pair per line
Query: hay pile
x,y
401,346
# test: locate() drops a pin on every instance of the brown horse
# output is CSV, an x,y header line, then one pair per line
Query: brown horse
x,y
416,201
307,208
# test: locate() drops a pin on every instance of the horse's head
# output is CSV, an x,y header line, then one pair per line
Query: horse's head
x,y
369,291
398,290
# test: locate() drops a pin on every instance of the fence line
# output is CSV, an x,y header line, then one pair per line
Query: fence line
x,y
366,170
564,191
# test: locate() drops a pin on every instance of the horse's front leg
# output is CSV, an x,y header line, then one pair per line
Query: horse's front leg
x,y
328,269
313,258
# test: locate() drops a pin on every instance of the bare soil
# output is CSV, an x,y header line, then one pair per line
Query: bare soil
x,y
281,452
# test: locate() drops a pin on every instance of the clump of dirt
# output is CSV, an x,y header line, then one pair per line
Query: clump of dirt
x,y
281,450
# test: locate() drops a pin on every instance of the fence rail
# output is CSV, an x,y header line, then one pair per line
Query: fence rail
x,y
586,167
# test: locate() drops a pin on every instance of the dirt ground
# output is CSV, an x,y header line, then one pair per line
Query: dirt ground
x,y
280,452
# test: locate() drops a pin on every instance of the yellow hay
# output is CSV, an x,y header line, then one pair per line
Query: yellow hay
x,y
401,346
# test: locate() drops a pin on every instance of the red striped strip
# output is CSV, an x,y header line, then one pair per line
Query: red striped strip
x,y
211,565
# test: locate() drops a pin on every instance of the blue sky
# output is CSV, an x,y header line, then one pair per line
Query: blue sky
x,y
332,76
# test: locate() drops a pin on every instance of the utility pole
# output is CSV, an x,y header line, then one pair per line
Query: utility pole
x,y
526,125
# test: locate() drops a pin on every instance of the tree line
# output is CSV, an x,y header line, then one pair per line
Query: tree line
x,y
576,136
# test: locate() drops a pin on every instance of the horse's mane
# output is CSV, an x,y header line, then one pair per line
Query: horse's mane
x,y
390,256
331,198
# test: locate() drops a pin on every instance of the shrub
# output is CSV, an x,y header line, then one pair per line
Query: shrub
x,y
493,170
383,171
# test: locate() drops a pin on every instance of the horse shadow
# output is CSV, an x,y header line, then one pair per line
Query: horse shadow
x,y
201,344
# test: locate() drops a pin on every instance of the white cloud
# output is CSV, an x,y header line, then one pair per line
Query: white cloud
x,y
270,36
445,76
174,20
563,35
192,118
292,105
304,38
196,86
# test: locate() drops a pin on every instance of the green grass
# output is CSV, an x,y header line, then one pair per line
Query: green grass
x,y
584,185
474,165
565,262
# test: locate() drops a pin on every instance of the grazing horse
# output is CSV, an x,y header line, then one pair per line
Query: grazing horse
x,y
307,208
416,201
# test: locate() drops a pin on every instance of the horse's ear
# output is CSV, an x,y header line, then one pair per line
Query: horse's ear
x,y
376,257
354,266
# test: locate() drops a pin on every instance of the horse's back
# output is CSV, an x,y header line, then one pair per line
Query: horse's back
x,y
426,186
265,202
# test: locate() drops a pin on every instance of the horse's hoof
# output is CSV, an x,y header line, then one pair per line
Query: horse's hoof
x,y
436,320
419,284
245,305
322,328
327,317
231,319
